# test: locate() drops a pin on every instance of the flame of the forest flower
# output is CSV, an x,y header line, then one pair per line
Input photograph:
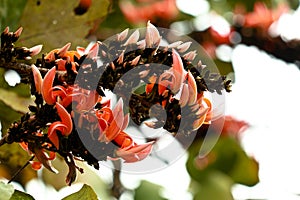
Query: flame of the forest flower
x,y
65,126
262,16
47,85
152,10
112,124
116,123
135,153
42,157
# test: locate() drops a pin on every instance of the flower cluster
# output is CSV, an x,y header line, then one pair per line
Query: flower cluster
x,y
153,10
71,111
9,52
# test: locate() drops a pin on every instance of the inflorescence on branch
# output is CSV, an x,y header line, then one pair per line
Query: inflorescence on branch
x,y
69,89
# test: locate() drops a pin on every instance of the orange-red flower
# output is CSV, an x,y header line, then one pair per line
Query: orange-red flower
x,y
62,56
85,99
150,10
234,127
264,17
65,126
178,80
112,124
43,158
129,150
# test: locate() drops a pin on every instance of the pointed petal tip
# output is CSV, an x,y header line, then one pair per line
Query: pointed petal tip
x,y
6,30
121,36
93,52
18,32
136,60
65,118
121,58
152,36
38,80
178,69
190,55
133,38
62,51
35,50
192,86
47,85
184,47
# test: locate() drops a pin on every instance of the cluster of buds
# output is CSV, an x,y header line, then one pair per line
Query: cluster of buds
x,y
9,52
71,110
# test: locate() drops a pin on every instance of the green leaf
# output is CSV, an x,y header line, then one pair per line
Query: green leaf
x,y
10,13
224,67
148,191
12,158
215,186
245,171
18,195
226,157
54,23
15,101
85,193
7,116
89,177
294,4
6,191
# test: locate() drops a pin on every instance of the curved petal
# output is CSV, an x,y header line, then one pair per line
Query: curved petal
x,y
202,117
93,52
152,36
136,153
56,126
125,122
178,71
192,89
65,119
54,139
40,155
38,80
47,85
184,97
123,140
133,38
35,50
121,36
62,51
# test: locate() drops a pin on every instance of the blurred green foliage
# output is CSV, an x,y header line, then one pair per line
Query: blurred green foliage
x,y
54,23
10,13
148,191
85,193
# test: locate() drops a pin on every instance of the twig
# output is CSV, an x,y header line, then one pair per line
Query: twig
x,y
19,170
3,140
117,188
25,71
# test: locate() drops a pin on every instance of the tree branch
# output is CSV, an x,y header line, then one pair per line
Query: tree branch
x,y
117,188
25,71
